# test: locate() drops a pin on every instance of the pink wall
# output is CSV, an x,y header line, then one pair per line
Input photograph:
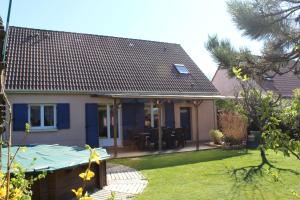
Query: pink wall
x,y
73,136
76,134
206,118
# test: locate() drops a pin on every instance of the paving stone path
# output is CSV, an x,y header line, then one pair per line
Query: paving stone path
x,y
124,181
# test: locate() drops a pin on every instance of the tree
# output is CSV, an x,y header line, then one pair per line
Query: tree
x,y
276,23
2,35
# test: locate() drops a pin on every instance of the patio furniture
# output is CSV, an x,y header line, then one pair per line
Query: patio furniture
x,y
169,137
142,140
133,139
152,140
180,137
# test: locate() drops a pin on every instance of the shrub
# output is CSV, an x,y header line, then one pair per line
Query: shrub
x,y
216,136
230,140
233,124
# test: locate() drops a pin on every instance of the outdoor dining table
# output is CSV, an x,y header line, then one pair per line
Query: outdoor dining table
x,y
142,138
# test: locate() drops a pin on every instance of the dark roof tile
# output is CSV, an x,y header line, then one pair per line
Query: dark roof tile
x,y
62,61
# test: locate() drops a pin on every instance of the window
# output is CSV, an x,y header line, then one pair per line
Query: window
x,y
147,110
42,116
151,116
155,117
102,117
268,78
181,69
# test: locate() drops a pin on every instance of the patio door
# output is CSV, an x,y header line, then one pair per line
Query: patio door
x,y
106,125
185,121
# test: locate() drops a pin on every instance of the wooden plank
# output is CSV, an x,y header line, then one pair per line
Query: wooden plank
x,y
102,174
36,190
51,184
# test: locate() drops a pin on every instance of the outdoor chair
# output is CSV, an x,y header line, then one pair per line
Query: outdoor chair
x,y
169,137
152,140
180,137
133,139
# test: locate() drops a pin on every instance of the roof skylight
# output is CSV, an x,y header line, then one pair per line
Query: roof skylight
x,y
268,78
181,69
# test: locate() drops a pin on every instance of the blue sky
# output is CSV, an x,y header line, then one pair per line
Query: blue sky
x,y
186,22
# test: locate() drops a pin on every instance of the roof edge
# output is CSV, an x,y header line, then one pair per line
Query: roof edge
x,y
91,34
123,94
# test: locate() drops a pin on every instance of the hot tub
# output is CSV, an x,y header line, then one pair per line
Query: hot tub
x,y
63,165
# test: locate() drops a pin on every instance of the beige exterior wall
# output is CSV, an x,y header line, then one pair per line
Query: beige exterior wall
x,y
76,134
73,136
206,118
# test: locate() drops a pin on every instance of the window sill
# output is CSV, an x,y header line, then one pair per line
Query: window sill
x,y
43,130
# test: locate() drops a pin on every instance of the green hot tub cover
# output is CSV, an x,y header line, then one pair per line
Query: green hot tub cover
x,y
38,158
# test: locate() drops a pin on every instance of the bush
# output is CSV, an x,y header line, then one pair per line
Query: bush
x,y
230,140
233,124
216,136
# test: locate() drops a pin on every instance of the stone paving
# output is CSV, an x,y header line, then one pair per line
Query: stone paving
x,y
124,181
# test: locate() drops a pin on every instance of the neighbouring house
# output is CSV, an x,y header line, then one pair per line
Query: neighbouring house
x,y
283,85
76,88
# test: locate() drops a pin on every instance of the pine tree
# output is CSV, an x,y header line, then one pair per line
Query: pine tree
x,y
2,35
274,22
277,24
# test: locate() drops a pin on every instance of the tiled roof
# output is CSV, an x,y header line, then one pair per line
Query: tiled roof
x,y
281,84
286,83
42,60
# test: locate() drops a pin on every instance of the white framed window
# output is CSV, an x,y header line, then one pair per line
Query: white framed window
x,y
42,116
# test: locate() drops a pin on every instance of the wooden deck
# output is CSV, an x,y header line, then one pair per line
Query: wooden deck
x,y
127,153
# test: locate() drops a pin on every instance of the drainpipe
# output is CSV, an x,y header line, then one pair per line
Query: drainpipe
x,y
115,111
215,114
6,34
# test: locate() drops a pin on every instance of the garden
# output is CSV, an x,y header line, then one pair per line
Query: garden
x,y
210,175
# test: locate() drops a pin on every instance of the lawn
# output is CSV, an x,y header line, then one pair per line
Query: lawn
x,y
208,175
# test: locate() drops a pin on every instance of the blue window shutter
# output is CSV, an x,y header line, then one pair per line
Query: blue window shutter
x,y
133,116
91,122
169,115
63,115
20,116
128,118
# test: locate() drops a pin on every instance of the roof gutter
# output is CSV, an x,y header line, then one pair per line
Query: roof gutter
x,y
123,94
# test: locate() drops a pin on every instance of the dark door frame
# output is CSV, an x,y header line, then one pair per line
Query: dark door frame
x,y
190,136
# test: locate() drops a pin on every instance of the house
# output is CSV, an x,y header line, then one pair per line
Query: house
x,y
78,88
283,85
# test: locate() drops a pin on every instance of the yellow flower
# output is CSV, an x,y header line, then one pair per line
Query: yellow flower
x,y
94,156
23,149
78,192
27,128
1,175
15,167
86,197
17,194
2,192
87,175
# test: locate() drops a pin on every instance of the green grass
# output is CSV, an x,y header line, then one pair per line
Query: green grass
x,y
208,175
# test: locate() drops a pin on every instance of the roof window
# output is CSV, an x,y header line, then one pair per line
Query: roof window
x,y
181,69
268,78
